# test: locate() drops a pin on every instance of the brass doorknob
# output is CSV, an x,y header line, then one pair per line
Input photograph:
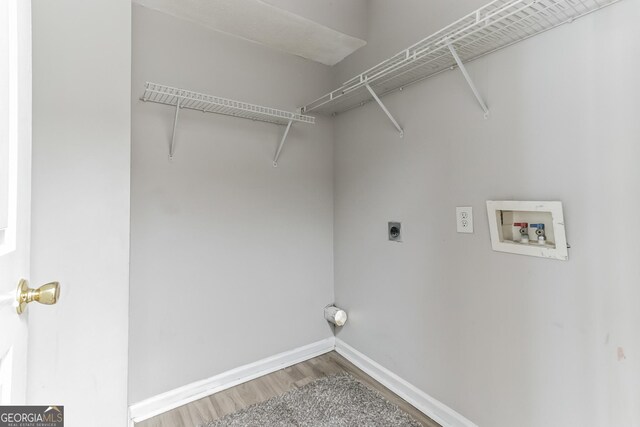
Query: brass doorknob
x,y
46,294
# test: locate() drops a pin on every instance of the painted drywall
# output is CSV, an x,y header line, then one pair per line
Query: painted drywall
x,y
265,24
346,16
506,340
231,258
80,208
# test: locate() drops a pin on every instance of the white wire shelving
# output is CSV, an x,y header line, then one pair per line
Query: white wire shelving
x,y
495,26
181,98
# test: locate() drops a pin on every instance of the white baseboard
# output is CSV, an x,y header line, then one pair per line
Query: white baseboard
x,y
426,404
172,399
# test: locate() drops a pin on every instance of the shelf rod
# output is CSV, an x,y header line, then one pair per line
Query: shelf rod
x,y
395,123
175,125
467,77
277,156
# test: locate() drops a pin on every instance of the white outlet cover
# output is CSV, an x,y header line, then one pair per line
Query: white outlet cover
x,y
464,219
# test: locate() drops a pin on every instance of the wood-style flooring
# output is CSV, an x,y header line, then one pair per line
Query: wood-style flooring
x,y
271,385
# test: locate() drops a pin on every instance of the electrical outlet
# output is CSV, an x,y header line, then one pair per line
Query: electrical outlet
x,y
395,231
464,219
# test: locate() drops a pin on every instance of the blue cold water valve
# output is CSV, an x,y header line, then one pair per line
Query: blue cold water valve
x,y
539,232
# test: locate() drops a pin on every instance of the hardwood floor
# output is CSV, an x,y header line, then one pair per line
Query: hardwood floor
x,y
274,384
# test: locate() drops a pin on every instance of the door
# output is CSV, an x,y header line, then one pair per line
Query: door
x,y
15,160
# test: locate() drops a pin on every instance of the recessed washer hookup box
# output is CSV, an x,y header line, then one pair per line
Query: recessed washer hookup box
x,y
528,228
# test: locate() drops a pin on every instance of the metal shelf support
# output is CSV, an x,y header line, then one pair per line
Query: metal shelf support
x,y
286,132
467,77
386,111
186,99
173,137
494,26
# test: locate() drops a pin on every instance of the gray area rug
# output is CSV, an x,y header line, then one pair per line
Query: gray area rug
x,y
338,400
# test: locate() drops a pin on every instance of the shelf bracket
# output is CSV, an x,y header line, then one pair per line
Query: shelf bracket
x,y
286,132
375,96
468,78
173,137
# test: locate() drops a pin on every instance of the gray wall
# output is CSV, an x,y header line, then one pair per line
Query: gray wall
x,y
232,259
80,208
506,340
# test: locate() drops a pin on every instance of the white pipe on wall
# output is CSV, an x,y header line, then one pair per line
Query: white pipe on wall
x,y
335,315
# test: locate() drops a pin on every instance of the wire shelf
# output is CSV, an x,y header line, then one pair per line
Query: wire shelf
x,y
495,26
154,92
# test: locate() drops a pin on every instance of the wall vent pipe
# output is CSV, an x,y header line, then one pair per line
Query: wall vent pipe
x,y
335,315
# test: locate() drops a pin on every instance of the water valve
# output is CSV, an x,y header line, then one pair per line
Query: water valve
x,y
540,233
523,229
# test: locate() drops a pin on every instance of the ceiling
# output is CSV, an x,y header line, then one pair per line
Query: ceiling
x,y
265,23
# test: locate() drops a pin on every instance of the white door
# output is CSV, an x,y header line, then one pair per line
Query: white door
x,y
15,160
